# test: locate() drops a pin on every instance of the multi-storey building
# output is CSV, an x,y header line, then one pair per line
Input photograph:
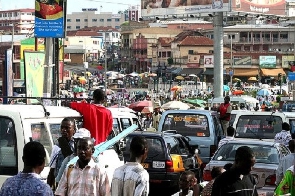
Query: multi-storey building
x,y
21,20
88,18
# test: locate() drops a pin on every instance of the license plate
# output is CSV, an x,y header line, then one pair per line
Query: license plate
x,y
158,164
145,165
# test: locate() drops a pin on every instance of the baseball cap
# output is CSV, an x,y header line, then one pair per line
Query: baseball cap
x,y
81,133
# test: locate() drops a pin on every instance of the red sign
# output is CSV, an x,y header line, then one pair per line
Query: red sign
x,y
275,7
193,65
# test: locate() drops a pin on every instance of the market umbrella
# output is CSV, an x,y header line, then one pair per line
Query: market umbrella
x,y
193,75
152,75
238,92
176,88
236,79
226,88
198,102
138,106
252,79
120,108
147,110
179,78
175,105
263,92
133,74
78,89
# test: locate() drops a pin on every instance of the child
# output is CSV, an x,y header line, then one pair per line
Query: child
x,y
186,182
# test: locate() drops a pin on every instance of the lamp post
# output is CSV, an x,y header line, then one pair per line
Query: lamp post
x,y
231,59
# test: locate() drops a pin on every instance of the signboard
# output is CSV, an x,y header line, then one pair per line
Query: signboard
x,y
7,84
89,9
164,7
49,19
208,61
288,61
267,61
245,61
291,76
275,7
29,45
34,73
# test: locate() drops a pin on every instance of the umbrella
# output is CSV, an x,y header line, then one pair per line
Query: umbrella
x,y
266,86
120,108
175,105
133,74
236,79
78,89
195,102
193,75
147,110
152,75
179,78
252,79
176,88
82,79
138,106
263,92
238,92
226,88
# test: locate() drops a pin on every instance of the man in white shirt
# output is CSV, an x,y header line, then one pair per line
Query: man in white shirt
x,y
285,162
230,136
284,136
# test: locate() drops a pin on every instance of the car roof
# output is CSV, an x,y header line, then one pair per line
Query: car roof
x,y
252,142
152,133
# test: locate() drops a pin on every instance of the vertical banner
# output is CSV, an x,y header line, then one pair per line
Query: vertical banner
x,y
8,76
61,71
208,61
34,73
49,19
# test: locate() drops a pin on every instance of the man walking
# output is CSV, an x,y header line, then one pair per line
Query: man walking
x,y
284,136
230,136
225,110
132,179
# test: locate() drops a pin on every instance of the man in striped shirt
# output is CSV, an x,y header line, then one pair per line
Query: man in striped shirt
x,y
132,179
230,136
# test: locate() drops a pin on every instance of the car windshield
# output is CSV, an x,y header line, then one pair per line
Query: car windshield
x,y
263,154
258,126
187,124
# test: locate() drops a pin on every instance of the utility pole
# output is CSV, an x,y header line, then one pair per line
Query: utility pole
x,y
47,68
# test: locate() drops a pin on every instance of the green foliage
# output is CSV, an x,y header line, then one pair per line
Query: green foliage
x,y
278,99
170,61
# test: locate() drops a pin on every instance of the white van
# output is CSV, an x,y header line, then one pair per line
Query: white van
x,y
123,120
21,123
235,101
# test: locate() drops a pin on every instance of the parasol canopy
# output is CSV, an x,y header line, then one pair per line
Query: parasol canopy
x,y
147,110
78,89
138,106
176,88
193,75
179,78
226,88
238,92
175,105
198,102
252,79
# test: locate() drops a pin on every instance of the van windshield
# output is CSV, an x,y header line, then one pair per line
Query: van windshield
x,y
187,124
258,126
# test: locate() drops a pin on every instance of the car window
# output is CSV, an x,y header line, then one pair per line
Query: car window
x,y
292,125
187,124
263,154
171,145
258,126
232,119
115,124
126,122
183,148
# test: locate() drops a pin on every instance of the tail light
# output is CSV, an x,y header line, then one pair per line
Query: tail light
x,y
207,175
169,166
213,148
270,180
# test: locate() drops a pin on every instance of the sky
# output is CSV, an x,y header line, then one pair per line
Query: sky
x,y
113,6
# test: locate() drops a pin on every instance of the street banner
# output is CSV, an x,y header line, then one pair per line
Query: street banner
x,y
267,61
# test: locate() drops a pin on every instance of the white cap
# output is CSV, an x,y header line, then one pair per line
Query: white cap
x,y
82,133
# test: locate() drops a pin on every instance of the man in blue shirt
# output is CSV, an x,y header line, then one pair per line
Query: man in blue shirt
x,y
28,182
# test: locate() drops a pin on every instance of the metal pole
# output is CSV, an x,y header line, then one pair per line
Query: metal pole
x,y
47,68
105,63
218,54
12,38
231,58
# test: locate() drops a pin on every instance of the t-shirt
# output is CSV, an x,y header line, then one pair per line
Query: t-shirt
x,y
190,193
283,137
225,109
231,184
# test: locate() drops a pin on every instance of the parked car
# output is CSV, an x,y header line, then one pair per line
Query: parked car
x,y
267,155
168,156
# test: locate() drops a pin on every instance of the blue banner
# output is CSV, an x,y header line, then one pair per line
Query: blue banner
x,y
49,19
291,76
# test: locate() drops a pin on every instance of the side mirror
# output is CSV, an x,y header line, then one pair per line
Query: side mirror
x,y
196,151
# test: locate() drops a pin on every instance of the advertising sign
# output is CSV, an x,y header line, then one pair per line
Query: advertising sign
x,y
245,61
34,73
208,61
29,45
275,7
7,84
168,7
49,19
288,61
267,61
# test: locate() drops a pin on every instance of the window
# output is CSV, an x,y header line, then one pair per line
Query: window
x,y
40,134
117,27
101,20
94,20
78,27
68,27
69,20
117,19
126,122
85,20
171,145
55,131
190,51
77,20
109,20
8,149
116,124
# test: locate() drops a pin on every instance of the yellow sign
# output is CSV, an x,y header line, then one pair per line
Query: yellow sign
x,y
287,61
186,118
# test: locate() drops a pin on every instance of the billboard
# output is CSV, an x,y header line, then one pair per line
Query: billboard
x,y
275,7
267,61
49,19
208,61
168,7
7,83
34,73
288,61
244,61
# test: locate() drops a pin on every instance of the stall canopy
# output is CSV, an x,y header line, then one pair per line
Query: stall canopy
x,y
272,72
246,72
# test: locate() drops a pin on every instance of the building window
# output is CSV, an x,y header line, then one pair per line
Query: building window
x,y
117,19
109,20
86,20
68,27
117,27
69,20
77,20
190,51
94,20
101,20
77,27
85,26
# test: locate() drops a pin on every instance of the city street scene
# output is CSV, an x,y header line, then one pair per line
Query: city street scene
x,y
147,98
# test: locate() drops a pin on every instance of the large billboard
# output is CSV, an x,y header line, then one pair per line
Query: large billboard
x,y
288,61
208,61
172,7
34,73
275,7
242,61
49,18
267,61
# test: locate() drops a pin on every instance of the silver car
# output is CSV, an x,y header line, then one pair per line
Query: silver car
x,y
267,156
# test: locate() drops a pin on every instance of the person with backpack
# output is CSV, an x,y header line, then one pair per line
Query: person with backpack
x,y
63,148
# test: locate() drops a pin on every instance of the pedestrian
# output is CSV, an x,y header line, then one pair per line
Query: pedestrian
x,y
284,136
286,186
187,182
215,172
225,110
263,106
237,180
84,178
156,118
132,179
63,148
286,162
230,136
28,181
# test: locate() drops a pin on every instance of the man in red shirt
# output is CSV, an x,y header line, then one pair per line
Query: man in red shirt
x,y
224,114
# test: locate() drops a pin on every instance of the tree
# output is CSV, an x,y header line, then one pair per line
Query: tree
x,y
170,61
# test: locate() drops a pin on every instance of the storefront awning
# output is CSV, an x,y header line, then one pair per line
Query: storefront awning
x,y
208,72
246,72
188,71
272,72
